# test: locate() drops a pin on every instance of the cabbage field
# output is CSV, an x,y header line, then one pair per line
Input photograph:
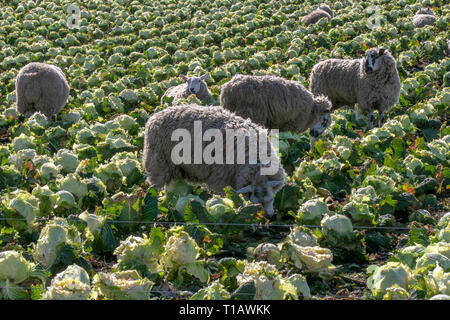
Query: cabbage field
x,y
364,214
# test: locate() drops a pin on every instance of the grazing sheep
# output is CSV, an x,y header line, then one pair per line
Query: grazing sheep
x,y
41,87
276,103
323,11
447,48
248,179
372,82
424,17
192,85
327,9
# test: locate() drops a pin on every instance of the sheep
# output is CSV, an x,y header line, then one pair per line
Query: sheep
x,y
191,85
162,168
327,9
276,103
372,82
424,17
323,11
41,87
447,48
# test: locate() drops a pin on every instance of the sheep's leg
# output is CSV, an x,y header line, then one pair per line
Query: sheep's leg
x,y
371,120
312,141
158,172
381,119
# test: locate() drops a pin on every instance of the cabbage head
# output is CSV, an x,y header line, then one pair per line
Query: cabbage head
x,y
268,252
14,267
219,208
437,281
388,275
121,285
215,291
312,211
70,284
396,293
135,251
179,250
51,240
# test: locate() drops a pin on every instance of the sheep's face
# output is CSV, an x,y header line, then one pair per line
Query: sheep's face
x,y
194,83
262,194
323,123
372,60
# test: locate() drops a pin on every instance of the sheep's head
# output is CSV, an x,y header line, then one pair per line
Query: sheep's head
x,y
425,11
194,84
262,192
327,9
322,106
375,59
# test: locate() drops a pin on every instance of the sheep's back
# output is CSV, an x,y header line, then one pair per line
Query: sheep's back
x,y
421,20
266,100
178,91
39,79
158,133
315,16
337,79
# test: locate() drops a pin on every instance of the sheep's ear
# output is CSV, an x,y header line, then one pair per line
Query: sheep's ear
x,y
203,77
245,189
275,183
381,51
182,76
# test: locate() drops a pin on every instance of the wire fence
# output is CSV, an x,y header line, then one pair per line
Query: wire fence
x,y
255,225
183,294
180,294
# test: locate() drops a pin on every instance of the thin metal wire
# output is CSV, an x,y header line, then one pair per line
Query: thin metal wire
x,y
260,225
174,293
167,292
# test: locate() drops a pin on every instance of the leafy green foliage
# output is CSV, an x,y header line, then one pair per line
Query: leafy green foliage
x,y
87,161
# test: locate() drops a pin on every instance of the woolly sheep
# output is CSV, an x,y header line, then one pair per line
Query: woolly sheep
x,y
191,85
323,11
372,82
245,178
41,87
424,17
327,9
276,103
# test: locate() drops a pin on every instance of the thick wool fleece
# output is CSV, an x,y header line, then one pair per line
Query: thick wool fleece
x,y
345,82
181,92
315,16
273,102
158,147
41,87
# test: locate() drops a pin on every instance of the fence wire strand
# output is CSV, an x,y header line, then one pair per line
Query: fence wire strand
x,y
256,225
184,293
